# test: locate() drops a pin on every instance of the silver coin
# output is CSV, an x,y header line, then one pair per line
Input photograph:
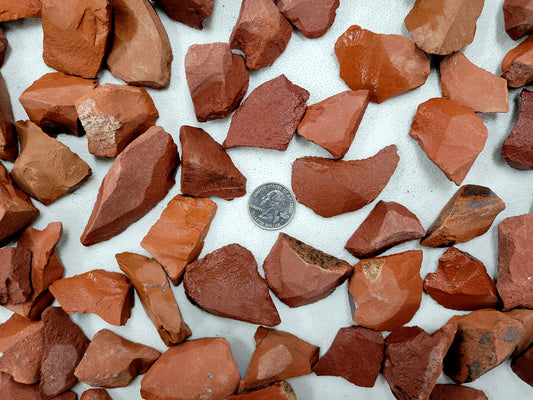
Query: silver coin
x,y
271,206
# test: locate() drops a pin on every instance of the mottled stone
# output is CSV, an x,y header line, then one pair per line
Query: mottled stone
x,y
517,148
11,10
517,65
522,366
456,392
8,134
277,391
95,394
526,318
188,12
312,18
3,46
518,16
15,283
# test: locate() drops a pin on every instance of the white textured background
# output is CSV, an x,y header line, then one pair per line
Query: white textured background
x,y
417,183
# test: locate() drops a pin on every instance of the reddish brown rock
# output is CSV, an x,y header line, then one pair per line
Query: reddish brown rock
x,y
113,116
409,379
177,238
452,136
15,284
217,80
206,168
156,296
201,368
517,65
387,225
526,318
11,10
467,84
333,123
350,344
522,366
456,392
517,149
442,27
188,12
468,214
226,283
67,396
143,173
300,274
106,294
515,261
385,292
385,65
3,46
312,18
461,283
46,169
8,135
484,339
277,391
330,187
17,391
95,394
50,102
269,116
518,16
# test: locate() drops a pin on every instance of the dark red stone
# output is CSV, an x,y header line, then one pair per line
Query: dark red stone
x,y
3,45
517,149
95,394
517,65
8,134
15,283
456,392
188,12
518,16
526,318
12,390
312,17
523,366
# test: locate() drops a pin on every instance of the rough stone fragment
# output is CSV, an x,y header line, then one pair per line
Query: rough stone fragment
x,y
330,187
345,357
517,65
456,392
66,396
114,115
201,368
518,16
269,116
385,65
468,214
143,173
484,339
299,274
261,33
526,318
3,46
413,360
206,168
8,135
11,10
95,394
217,80
156,296
312,18
136,28
50,102
277,391
75,38
15,284
442,27
461,283
177,238
46,169
452,136
385,292
467,84
333,122
387,225
515,261
517,149
17,391
522,366
226,283
106,294
188,12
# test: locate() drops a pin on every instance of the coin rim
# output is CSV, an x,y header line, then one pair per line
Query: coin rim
x,y
293,200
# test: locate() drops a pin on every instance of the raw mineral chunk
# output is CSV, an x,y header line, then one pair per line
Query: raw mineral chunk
x,y
177,238
188,12
114,115
8,135
17,391
456,392
226,283
277,391
468,214
15,284
76,36
518,16
517,149
143,173
11,10
95,394
3,46
517,65
526,318
66,396
521,366
451,134
330,187
333,123
385,292
312,18
300,274
46,169
385,65
269,116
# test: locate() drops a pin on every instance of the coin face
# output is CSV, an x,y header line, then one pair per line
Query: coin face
x,y
271,206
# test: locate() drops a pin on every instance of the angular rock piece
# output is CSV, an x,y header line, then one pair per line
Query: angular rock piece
x,y
451,135
269,116
217,80
385,292
515,261
188,12
66,396
114,115
143,173
277,391
442,27
468,214
467,84
201,368
387,225
12,10
206,169
517,149
3,46
8,135
517,65
177,238
351,344
226,283
521,366
333,123
46,169
330,187
95,394
461,283
17,391
156,296
526,318
385,65
300,274
50,102
518,16
15,284
312,18
456,392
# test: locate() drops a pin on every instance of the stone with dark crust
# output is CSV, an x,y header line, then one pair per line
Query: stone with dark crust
x,y
312,18
525,316
12,10
95,394
517,65
517,148
456,392
15,283
188,12
518,16
8,134
277,391
522,366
